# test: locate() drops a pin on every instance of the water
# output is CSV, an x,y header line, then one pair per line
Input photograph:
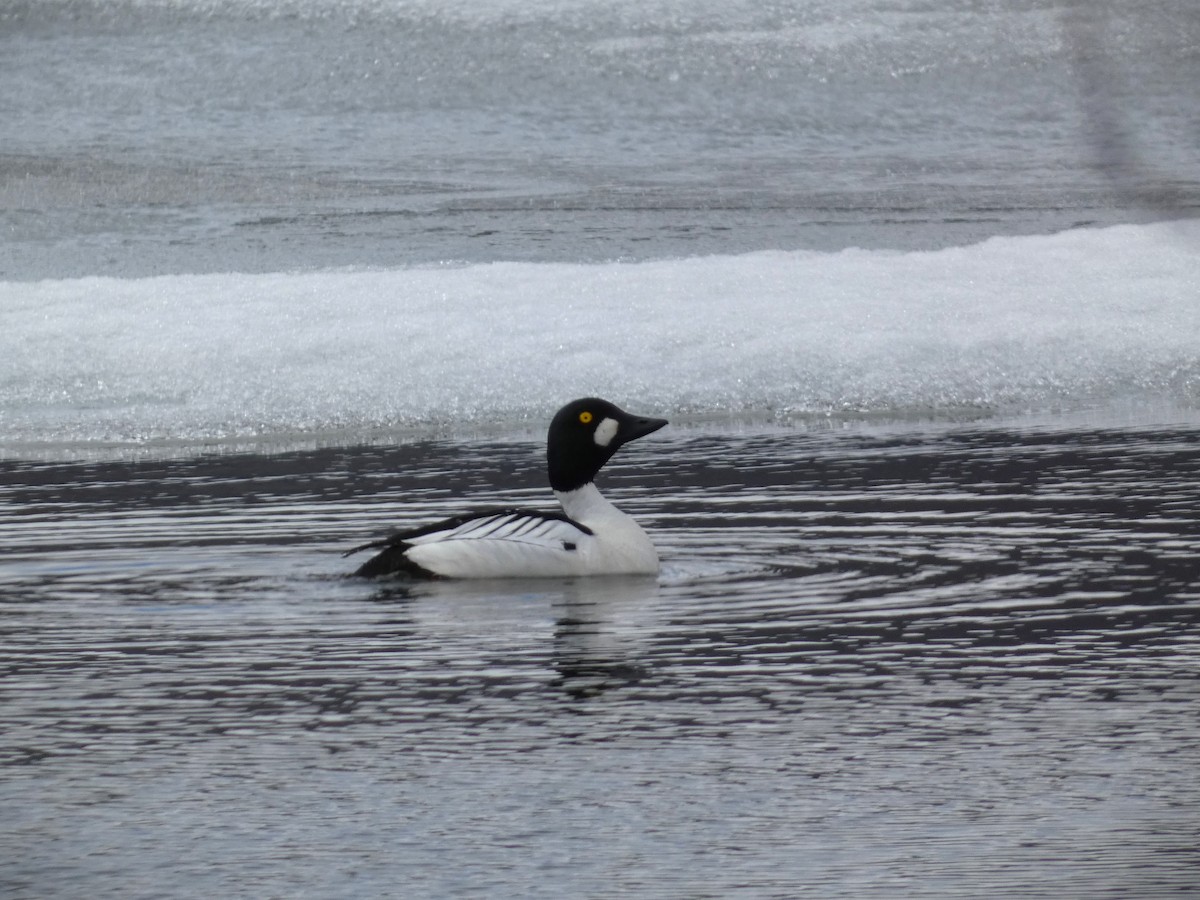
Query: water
x,y
933,662
916,285
147,137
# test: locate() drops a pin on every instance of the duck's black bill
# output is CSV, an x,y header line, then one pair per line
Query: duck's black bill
x,y
639,426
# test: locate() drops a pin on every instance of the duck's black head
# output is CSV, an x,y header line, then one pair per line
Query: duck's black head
x,y
584,435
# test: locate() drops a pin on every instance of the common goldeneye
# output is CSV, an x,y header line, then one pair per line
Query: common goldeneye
x,y
589,536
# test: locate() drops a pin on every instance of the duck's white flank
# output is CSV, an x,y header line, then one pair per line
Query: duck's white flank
x,y
537,547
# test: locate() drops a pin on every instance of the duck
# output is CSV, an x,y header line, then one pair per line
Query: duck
x,y
586,535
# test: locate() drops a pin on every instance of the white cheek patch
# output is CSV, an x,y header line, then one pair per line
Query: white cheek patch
x,y
605,432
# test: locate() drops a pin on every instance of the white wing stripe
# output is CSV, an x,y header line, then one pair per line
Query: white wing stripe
x,y
550,533
526,527
488,527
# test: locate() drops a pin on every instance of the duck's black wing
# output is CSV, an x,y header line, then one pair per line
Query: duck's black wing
x,y
549,531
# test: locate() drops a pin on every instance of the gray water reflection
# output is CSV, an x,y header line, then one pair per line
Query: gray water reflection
x,y
936,664
599,625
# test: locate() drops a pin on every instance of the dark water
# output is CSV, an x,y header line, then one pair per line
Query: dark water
x,y
944,662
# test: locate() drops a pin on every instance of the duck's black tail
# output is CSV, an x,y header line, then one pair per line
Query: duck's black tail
x,y
392,559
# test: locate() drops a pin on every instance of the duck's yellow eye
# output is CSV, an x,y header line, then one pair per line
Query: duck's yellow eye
x,y
585,417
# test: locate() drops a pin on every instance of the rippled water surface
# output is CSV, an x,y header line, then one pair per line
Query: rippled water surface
x,y
945,662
